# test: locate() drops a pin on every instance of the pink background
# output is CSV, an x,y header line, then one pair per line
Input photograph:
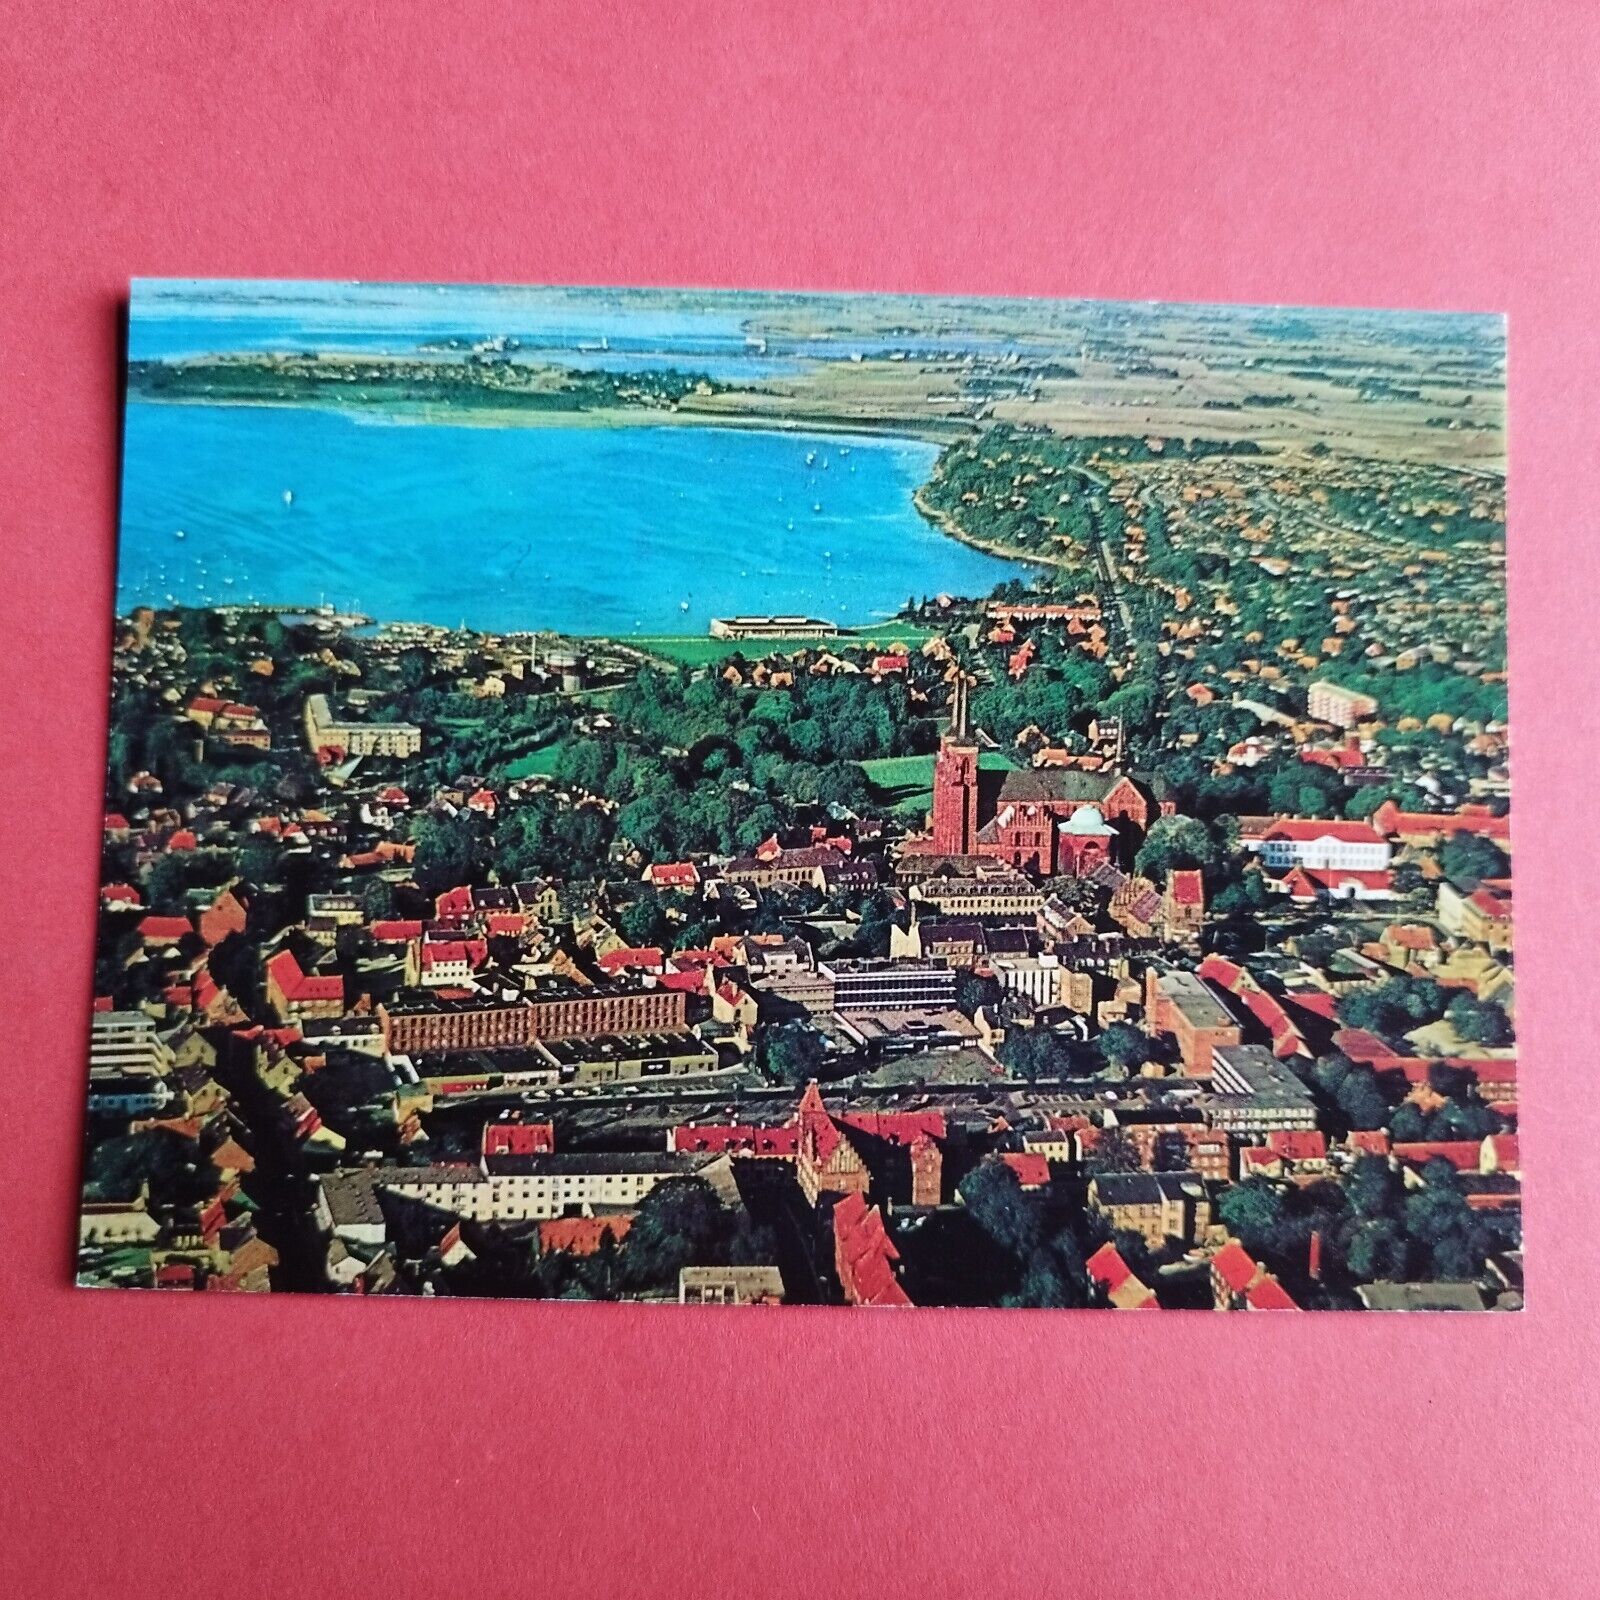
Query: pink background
x,y
1405,154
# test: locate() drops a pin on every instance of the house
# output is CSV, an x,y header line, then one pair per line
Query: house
x,y
1239,1283
1158,1205
1482,915
1124,1290
730,1286
680,875
1429,828
293,993
1179,1004
864,1255
1183,905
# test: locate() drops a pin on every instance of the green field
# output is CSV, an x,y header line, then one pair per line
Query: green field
x,y
536,764
906,782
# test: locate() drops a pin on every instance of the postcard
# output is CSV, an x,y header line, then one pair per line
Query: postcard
x,y
806,799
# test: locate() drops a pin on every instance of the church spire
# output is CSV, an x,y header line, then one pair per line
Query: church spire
x,y
958,707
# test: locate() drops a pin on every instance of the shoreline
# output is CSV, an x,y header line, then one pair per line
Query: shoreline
x,y
947,525
426,413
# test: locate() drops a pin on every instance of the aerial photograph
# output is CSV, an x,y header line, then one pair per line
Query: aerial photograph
x,y
753,798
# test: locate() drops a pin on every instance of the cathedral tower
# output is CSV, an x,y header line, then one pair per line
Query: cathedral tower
x,y
955,782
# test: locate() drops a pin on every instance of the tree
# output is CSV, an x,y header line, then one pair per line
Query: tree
x,y
1113,1151
1407,1125
1361,1100
1255,1213
158,1160
1373,1188
974,992
644,922
1377,1249
679,1224
450,851
993,1196
1175,843
1034,1053
1469,858
1124,1046
1478,1021
1441,1223
794,1052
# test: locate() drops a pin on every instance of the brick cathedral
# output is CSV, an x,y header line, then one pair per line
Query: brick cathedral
x,y
1058,823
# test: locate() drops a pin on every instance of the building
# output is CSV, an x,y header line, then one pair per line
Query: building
x,y
786,627
905,1032
621,1058
330,739
533,1188
1323,846
417,1021
1183,906
125,1043
1327,702
730,1286
1431,828
1121,1286
1179,1004
1253,1094
443,1020
864,1255
1158,1205
883,985
294,994
566,1010
985,895
1041,978
1483,915
1047,822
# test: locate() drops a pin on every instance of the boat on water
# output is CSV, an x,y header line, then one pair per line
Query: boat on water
x,y
288,497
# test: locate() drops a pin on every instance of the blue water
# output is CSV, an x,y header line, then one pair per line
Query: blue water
x,y
598,531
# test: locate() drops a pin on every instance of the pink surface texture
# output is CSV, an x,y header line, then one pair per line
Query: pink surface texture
x,y
1411,154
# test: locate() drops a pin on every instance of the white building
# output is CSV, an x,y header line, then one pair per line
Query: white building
x,y
1319,846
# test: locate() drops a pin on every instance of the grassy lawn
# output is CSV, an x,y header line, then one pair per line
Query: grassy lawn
x,y
907,781
688,650
536,764
908,633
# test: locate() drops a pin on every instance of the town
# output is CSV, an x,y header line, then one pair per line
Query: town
x,y
1137,938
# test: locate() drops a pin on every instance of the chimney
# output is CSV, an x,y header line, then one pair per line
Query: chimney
x,y
1314,1256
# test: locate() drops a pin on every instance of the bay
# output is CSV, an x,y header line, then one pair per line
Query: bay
x,y
596,531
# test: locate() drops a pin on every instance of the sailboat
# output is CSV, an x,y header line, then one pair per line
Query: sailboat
x,y
288,497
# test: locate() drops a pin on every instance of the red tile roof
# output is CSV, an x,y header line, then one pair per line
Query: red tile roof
x,y
518,1138
1305,830
864,1255
646,958
1187,889
1269,1295
1032,1170
1235,1266
295,984
1298,1144
390,931
1462,1154
581,1236
737,1138
163,930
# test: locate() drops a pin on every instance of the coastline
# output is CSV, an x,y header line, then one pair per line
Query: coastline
x,y
947,525
402,413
